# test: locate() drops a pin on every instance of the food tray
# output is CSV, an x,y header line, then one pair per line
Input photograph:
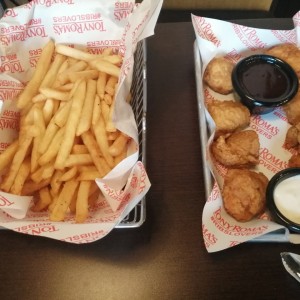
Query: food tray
x,y
281,235
139,105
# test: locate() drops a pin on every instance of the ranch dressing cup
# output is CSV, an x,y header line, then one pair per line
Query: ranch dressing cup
x,y
283,198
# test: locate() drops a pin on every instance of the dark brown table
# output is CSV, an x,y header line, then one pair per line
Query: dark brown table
x,y
165,258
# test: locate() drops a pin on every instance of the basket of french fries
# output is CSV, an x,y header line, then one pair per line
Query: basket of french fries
x,y
72,168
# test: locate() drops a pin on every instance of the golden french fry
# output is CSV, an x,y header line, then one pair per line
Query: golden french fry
x,y
48,110
111,85
89,175
24,144
55,182
53,148
110,126
30,187
91,144
78,160
50,132
105,111
118,145
44,200
87,74
66,87
39,98
61,116
79,149
71,173
64,200
40,123
108,99
101,83
82,201
71,125
96,110
74,53
114,59
105,66
41,69
50,77
54,94
7,155
121,156
85,120
111,136
63,77
21,177
101,138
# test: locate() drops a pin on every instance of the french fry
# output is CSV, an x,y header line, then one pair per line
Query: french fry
x,y
82,201
53,148
118,145
79,149
63,77
24,144
100,134
7,155
71,173
87,110
110,85
21,177
96,110
78,160
54,94
40,123
87,74
50,77
71,125
50,132
101,83
88,175
48,110
64,200
91,144
105,66
44,200
55,182
30,187
33,85
74,53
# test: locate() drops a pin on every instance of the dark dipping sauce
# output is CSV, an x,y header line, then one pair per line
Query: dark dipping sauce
x,y
265,81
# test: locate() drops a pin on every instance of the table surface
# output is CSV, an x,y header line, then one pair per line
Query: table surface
x,y
165,258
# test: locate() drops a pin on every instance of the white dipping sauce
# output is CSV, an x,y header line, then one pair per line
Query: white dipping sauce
x,y
287,198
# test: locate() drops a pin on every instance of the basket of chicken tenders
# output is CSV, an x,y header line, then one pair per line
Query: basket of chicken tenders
x,y
249,113
71,140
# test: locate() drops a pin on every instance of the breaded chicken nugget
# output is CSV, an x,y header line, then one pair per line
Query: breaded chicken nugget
x,y
229,116
291,138
289,53
240,149
244,194
294,161
217,75
292,109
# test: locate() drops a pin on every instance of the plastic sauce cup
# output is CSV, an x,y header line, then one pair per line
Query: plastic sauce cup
x,y
264,82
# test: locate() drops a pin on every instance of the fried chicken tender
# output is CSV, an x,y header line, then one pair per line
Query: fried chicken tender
x,y
240,149
292,109
294,161
244,194
229,116
292,137
217,75
289,53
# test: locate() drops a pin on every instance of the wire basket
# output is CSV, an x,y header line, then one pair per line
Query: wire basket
x,y
139,105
